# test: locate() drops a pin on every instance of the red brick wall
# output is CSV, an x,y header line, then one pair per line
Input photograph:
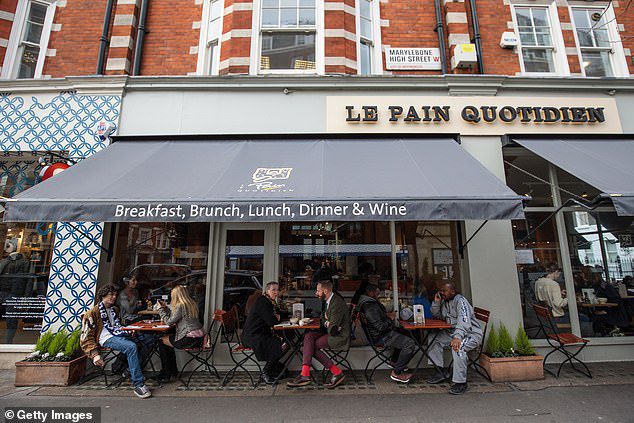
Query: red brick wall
x,y
8,6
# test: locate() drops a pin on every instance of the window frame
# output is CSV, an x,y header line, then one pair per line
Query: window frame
x,y
560,60
376,58
256,42
12,62
616,55
208,65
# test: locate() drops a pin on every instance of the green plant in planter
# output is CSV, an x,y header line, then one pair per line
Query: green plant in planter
x,y
44,341
60,346
72,346
493,342
523,345
506,342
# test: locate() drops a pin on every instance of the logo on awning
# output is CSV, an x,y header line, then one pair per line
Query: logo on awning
x,y
263,180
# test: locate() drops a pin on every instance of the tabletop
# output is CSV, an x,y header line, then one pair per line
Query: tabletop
x,y
588,305
313,324
148,313
146,326
429,324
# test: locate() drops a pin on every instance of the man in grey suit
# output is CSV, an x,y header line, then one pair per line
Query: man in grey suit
x,y
334,333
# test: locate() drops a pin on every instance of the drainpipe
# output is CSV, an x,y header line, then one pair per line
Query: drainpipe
x,y
103,40
441,36
476,35
138,49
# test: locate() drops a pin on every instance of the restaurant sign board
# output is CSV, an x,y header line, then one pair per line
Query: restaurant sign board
x,y
412,59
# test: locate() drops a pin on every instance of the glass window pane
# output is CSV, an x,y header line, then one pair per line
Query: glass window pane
x,y
366,9
543,37
366,29
517,158
33,32
538,60
270,4
597,63
540,17
366,59
534,254
270,18
307,17
572,187
523,17
37,14
295,50
528,38
585,38
216,10
581,18
289,4
289,17
244,262
28,61
602,38
307,3
213,60
427,257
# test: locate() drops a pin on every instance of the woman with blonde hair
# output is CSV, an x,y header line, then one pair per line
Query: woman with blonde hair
x,y
188,334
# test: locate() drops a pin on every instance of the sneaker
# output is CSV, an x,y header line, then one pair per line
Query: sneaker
x,y
401,377
438,377
299,381
142,391
458,388
336,380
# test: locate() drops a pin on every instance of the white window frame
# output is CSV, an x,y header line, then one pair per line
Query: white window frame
x,y
256,48
560,58
11,61
204,50
616,53
376,57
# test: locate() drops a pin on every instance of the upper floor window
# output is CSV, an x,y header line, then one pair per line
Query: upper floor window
x,y
28,41
597,40
211,33
366,39
536,41
288,36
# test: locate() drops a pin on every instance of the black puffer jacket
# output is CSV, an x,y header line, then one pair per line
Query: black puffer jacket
x,y
379,324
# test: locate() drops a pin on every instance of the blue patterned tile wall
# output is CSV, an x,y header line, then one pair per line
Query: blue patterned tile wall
x,y
63,122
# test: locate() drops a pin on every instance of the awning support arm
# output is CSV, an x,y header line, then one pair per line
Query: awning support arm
x,y
93,241
528,236
462,247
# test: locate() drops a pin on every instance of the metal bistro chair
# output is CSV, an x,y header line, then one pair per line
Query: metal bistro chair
x,y
108,356
340,357
240,354
379,350
204,354
561,342
474,358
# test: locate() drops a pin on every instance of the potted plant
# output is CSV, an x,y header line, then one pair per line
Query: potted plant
x,y
56,361
508,361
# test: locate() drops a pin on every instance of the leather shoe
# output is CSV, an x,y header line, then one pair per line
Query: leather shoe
x,y
438,377
458,388
268,379
298,382
336,380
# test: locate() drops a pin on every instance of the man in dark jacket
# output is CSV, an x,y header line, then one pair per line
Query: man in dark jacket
x,y
383,332
257,332
335,334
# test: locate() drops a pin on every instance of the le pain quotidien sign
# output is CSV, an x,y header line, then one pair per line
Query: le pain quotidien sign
x,y
472,115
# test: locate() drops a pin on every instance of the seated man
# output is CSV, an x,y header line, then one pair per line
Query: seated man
x,y
548,291
101,327
335,334
258,331
465,335
383,332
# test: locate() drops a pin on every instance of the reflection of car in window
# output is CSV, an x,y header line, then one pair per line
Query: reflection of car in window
x,y
153,276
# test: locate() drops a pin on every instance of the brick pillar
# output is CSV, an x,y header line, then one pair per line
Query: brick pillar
x,y
123,36
235,43
457,28
7,14
340,53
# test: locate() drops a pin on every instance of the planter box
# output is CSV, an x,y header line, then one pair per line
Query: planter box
x,y
513,369
31,373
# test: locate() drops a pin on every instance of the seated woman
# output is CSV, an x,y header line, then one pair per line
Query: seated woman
x,y
129,302
188,334
258,331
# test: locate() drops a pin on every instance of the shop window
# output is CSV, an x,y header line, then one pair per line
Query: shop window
x,y
427,257
602,259
536,247
210,38
28,41
288,36
527,174
597,39
26,257
539,40
162,256
571,187
368,35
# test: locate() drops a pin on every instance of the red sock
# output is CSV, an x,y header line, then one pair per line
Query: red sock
x,y
305,370
335,370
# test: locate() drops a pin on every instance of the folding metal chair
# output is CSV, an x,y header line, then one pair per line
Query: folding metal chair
x,y
108,356
204,354
380,352
560,342
240,354
474,359
340,357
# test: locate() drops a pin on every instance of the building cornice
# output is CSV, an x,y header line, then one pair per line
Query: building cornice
x,y
475,85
